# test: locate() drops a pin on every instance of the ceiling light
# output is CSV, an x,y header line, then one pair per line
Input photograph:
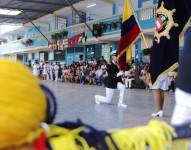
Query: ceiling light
x,y
91,5
8,28
9,12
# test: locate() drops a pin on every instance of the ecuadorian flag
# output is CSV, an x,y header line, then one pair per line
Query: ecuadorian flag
x,y
129,33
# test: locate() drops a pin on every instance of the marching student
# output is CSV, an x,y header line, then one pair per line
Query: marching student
x,y
51,69
56,71
46,71
114,81
36,69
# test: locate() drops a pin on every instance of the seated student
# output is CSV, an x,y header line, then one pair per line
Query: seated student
x,y
142,75
104,77
91,76
69,74
78,75
64,73
85,74
74,74
98,75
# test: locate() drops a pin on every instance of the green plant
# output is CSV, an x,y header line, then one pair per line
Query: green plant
x,y
60,35
53,36
27,42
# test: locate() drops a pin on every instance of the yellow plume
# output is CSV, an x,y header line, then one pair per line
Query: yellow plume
x,y
22,103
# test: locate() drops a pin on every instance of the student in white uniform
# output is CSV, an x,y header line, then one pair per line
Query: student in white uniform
x,y
114,81
129,78
46,71
56,70
51,69
36,69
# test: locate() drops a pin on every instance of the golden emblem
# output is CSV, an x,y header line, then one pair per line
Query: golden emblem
x,y
164,22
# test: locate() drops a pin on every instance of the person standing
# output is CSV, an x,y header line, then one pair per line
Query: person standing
x,y
36,69
56,71
51,69
114,81
165,48
46,71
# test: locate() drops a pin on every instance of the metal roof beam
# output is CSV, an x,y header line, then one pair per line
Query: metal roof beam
x,y
11,17
27,9
43,2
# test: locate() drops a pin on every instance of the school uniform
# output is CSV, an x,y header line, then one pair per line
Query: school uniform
x,y
36,70
113,82
56,70
51,68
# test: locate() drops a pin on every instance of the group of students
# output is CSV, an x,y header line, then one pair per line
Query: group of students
x,y
85,73
47,71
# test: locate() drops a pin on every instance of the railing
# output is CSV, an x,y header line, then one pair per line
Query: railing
x,y
142,14
147,13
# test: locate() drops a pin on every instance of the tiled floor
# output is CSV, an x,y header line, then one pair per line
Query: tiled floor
x,y
77,101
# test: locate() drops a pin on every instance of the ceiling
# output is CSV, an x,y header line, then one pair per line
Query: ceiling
x,y
31,9
104,7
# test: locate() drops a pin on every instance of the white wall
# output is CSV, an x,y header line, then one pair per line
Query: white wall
x,y
36,56
119,5
29,56
51,56
149,40
147,3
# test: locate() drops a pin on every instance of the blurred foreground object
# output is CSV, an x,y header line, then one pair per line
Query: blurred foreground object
x,y
22,104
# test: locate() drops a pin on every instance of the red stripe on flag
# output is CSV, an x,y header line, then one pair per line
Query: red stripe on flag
x,y
124,43
122,62
127,39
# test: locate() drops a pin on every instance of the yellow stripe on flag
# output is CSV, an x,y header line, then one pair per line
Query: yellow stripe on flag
x,y
127,12
128,55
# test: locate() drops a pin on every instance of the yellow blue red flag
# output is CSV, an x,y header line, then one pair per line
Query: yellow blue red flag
x,y
129,33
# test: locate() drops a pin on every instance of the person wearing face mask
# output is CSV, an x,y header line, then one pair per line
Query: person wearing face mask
x,y
114,81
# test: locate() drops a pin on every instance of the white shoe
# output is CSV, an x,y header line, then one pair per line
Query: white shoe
x,y
158,114
96,100
122,105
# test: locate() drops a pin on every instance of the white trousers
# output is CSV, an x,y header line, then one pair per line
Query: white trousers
x,y
182,110
128,82
47,76
56,75
51,76
109,94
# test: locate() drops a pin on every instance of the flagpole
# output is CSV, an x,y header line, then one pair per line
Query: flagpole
x,y
142,34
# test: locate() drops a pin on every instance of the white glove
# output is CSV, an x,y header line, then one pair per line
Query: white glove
x,y
120,73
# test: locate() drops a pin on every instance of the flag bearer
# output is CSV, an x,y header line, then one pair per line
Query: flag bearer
x,y
114,81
